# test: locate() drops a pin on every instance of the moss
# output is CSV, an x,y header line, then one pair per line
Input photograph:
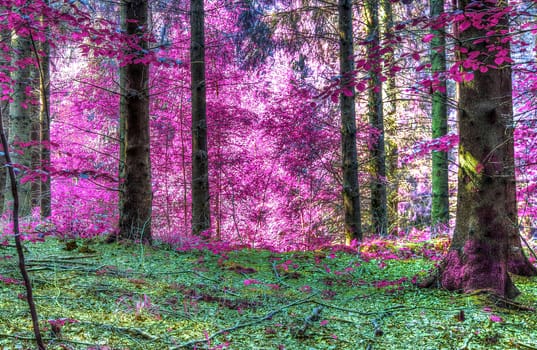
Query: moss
x,y
124,298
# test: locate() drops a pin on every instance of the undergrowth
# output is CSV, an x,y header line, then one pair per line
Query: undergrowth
x,y
92,295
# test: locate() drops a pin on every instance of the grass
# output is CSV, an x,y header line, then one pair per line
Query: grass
x,y
111,296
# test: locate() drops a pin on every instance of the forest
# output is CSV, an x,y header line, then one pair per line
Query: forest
x,y
268,174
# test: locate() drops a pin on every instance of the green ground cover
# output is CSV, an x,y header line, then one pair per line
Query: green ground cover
x,y
111,296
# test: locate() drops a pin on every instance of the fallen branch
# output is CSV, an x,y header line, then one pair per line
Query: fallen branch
x,y
308,321
21,337
377,329
32,338
60,258
526,346
52,267
508,304
277,275
258,320
137,332
500,301
391,309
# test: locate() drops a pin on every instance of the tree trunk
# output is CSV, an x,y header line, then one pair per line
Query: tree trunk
x,y
4,106
351,193
44,123
439,177
376,121
392,149
35,137
122,131
21,119
201,210
5,37
480,253
136,204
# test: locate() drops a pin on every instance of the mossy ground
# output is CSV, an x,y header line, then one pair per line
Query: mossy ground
x,y
112,296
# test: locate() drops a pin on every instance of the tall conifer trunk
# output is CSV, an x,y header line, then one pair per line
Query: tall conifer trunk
x,y
4,109
21,118
201,215
390,118
439,179
480,254
376,121
44,123
351,193
136,198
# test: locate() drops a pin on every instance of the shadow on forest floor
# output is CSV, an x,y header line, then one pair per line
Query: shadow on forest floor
x,y
110,296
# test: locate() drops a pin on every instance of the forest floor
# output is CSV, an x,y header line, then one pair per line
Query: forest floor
x,y
92,295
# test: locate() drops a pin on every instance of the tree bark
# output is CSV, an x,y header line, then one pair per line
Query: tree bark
x,y
44,124
35,133
137,196
4,107
351,192
5,37
439,176
376,121
21,119
390,118
480,254
201,211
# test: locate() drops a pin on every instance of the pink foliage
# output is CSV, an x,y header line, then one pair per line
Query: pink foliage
x,y
273,133
424,148
495,318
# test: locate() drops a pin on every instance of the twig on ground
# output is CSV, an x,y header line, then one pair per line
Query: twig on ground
x,y
376,327
199,274
338,319
127,330
500,301
308,321
334,339
277,275
390,309
55,259
258,320
32,338
22,337
40,267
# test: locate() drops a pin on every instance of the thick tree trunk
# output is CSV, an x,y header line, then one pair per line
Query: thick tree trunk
x,y
439,177
481,250
349,155
137,196
201,209
376,120
21,119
